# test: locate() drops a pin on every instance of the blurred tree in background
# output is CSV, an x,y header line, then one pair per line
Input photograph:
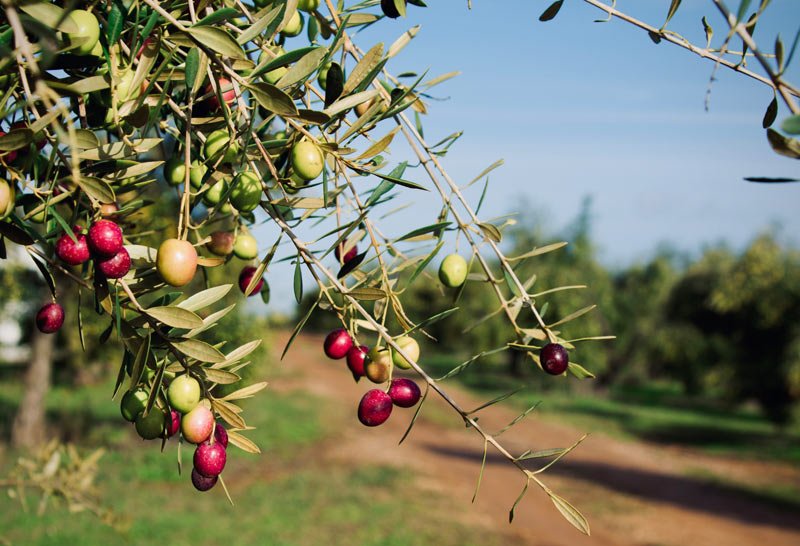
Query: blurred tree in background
x,y
739,316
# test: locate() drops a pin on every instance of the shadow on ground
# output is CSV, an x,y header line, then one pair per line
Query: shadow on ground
x,y
720,500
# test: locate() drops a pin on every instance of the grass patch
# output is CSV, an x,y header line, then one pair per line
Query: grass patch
x,y
369,505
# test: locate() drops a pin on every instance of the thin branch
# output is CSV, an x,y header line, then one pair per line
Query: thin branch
x,y
702,52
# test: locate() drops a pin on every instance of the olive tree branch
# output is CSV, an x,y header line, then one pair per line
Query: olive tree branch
x,y
779,85
787,92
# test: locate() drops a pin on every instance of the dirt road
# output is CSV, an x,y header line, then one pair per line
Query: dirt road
x,y
632,493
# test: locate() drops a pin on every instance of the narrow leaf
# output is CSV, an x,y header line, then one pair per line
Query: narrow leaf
x,y
220,15
573,316
769,180
298,281
51,16
570,513
273,99
402,41
542,454
142,353
222,377
421,267
175,317
486,171
416,414
303,68
782,145
229,416
298,327
47,276
199,350
15,234
743,6
433,320
516,502
351,265
205,298
259,25
349,102
673,7
494,401
97,189
579,371
15,139
480,474
365,66
402,182
433,228
367,293
246,392
217,39
241,352
243,443
551,11
538,251
379,146
491,232
192,67
334,84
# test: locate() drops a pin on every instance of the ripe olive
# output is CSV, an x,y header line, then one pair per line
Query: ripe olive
x,y
176,262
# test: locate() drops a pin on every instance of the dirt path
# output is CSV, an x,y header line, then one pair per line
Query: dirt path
x,y
632,493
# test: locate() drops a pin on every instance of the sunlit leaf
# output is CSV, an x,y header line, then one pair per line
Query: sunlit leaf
x,y
175,317
199,350
570,513
218,40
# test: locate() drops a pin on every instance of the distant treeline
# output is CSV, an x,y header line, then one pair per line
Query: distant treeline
x,y
725,325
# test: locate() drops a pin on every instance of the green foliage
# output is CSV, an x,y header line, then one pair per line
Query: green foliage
x,y
743,313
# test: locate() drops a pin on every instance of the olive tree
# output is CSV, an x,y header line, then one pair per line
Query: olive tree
x,y
112,105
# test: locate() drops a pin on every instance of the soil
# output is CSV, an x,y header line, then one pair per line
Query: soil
x,y
632,493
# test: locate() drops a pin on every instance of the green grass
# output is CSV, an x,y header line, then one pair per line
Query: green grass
x,y
289,495
656,413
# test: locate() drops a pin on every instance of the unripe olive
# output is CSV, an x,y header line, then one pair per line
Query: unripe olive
x,y
307,160
7,198
245,247
409,346
294,26
219,147
175,171
246,192
453,271
88,31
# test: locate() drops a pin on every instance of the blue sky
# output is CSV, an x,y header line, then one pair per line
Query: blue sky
x,y
577,108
